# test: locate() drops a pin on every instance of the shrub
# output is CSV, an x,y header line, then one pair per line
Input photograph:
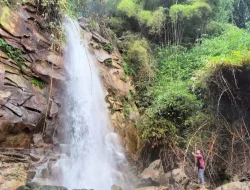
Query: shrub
x,y
38,82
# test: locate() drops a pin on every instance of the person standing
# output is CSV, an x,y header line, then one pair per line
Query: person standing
x,y
200,165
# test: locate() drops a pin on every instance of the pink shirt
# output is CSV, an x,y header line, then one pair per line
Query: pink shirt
x,y
200,162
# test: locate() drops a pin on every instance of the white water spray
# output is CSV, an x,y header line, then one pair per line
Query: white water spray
x,y
95,150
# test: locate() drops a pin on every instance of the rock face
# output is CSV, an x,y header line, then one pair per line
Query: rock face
x,y
25,76
23,103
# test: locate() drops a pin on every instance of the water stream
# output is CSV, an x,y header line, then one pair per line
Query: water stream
x,y
95,151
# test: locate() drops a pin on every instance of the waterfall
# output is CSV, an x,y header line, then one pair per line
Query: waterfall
x,y
95,152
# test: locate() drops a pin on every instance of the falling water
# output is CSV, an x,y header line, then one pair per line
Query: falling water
x,y
95,153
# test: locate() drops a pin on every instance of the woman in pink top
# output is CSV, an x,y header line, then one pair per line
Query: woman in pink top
x,y
200,165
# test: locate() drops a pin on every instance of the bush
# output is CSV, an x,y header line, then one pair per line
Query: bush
x,y
137,56
38,82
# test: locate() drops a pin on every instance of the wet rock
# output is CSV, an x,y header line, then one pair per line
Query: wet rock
x,y
35,157
36,186
32,185
147,183
30,175
153,188
115,187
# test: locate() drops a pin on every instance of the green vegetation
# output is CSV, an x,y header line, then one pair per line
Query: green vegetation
x,y
38,82
12,52
108,62
108,47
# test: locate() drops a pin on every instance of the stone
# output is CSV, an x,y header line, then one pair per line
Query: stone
x,y
234,186
30,118
49,187
32,185
12,22
14,109
28,44
34,157
18,96
154,171
17,128
38,139
177,176
98,38
2,76
53,109
23,188
147,183
4,96
55,59
115,187
44,69
153,188
20,81
30,175
37,102
102,55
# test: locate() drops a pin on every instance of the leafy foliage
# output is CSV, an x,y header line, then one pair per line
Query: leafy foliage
x,y
12,52
38,82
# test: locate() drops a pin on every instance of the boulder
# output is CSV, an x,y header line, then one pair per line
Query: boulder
x,y
154,188
102,55
235,186
115,187
36,186
176,176
147,183
153,173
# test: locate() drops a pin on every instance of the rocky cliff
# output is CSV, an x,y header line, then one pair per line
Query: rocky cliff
x,y
32,79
